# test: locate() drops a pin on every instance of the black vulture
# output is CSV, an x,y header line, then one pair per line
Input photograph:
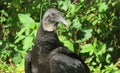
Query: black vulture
x,y
48,54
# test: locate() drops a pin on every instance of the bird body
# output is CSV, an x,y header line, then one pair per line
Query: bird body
x,y
45,43
48,54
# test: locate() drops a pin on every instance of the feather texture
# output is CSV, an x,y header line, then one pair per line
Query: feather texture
x,y
49,55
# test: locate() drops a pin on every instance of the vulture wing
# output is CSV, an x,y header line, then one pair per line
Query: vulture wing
x,y
67,62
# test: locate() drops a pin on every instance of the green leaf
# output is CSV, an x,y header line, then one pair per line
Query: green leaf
x,y
20,32
72,8
81,0
25,19
108,58
95,42
95,22
103,7
94,63
17,58
87,48
110,49
64,4
76,24
27,43
4,13
102,48
19,38
87,35
67,42
1,43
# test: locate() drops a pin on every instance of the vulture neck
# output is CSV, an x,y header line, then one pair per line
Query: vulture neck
x,y
47,39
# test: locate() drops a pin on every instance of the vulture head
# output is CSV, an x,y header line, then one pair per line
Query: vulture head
x,y
51,18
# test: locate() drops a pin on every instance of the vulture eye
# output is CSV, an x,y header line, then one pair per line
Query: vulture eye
x,y
53,14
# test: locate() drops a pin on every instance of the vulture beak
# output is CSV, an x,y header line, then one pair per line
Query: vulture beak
x,y
63,21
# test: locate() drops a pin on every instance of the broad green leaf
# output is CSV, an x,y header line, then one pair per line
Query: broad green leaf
x,y
17,58
72,8
87,48
103,7
27,43
95,22
88,34
25,19
76,24
64,4
67,42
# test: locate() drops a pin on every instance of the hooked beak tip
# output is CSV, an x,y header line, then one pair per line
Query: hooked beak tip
x,y
63,21
67,25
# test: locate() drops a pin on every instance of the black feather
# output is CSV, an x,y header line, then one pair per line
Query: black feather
x,y
49,55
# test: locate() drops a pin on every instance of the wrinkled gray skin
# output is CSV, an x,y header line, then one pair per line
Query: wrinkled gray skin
x,y
48,54
51,18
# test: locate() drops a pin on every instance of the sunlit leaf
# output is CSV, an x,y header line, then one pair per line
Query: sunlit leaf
x,y
76,24
103,7
72,8
26,19
27,43
17,58
66,42
19,38
87,35
108,57
87,48
64,4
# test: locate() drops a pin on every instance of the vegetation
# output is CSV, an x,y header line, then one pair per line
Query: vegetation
x,y
94,31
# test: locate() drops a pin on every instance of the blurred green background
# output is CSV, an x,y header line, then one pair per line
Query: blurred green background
x,y
94,31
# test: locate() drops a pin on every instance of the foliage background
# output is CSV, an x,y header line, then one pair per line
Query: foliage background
x,y
94,31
